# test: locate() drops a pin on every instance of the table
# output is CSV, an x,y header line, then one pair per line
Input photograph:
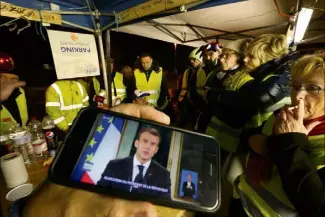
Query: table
x,y
37,173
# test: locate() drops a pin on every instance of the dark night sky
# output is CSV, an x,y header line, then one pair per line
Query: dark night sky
x,y
30,52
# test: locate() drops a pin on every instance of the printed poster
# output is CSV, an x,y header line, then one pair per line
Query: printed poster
x,y
75,54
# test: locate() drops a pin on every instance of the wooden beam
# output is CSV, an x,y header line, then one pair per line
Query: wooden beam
x,y
152,7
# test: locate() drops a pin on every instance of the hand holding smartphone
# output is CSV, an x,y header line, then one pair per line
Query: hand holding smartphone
x,y
127,157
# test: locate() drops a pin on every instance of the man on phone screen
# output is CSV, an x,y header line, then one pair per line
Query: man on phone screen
x,y
188,187
140,173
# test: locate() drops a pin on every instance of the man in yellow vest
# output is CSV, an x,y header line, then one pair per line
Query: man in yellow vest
x,y
190,98
149,79
64,100
15,107
120,81
92,87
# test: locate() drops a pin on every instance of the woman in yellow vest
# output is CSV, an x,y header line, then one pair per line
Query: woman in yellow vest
x,y
92,87
267,63
15,107
285,168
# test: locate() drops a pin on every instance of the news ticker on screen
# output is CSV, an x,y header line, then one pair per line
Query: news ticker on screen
x,y
135,184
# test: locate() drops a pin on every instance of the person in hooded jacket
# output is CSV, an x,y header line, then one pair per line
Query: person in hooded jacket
x,y
190,99
231,62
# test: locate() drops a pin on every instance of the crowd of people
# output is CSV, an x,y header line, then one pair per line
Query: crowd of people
x,y
262,101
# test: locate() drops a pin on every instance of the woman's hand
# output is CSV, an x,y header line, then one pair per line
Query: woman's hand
x,y
7,86
291,120
53,200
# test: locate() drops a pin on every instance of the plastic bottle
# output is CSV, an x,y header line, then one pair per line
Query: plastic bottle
x,y
49,130
34,125
39,144
22,143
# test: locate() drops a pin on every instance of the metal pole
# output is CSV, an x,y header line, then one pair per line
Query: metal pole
x,y
92,17
109,71
107,26
312,39
69,12
78,26
106,74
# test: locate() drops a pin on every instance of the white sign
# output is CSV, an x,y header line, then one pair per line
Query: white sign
x,y
75,55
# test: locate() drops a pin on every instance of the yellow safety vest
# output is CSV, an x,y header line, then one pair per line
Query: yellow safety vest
x,y
200,83
119,87
22,107
270,200
96,83
227,136
64,100
151,86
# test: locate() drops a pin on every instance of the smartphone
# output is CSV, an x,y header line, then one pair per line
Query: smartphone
x,y
127,157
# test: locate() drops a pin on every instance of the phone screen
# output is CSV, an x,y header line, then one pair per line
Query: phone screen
x,y
150,160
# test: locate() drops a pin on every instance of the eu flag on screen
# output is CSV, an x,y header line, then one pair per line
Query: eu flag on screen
x,y
99,150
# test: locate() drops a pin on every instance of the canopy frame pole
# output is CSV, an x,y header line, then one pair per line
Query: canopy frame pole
x,y
197,33
95,15
311,39
78,26
163,29
242,31
69,12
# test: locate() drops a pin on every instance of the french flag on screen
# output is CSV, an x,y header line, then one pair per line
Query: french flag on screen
x,y
102,147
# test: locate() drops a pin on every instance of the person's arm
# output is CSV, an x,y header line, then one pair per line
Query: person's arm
x,y
300,180
130,90
197,88
85,100
193,188
253,95
184,187
163,92
52,107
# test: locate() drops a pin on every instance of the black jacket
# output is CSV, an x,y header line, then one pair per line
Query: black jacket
x,y
188,192
163,87
302,183
255,96
122,169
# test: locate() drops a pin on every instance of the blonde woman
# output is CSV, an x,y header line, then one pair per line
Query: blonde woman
x,y
285,169
267,63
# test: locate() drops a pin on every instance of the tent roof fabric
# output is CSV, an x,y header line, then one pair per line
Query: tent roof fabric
x,y
204,22
105,6
201,26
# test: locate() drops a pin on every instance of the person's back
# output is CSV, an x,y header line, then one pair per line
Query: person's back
x,y
64,99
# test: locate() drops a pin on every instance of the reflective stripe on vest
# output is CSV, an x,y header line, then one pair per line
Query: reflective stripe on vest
x,y
227,137
61,103
22,107
59,120
270,199
285,101
258,199
152,85
119,87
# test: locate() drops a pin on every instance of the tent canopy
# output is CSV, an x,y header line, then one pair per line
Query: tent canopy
x,y
227,22
114,13
190,22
